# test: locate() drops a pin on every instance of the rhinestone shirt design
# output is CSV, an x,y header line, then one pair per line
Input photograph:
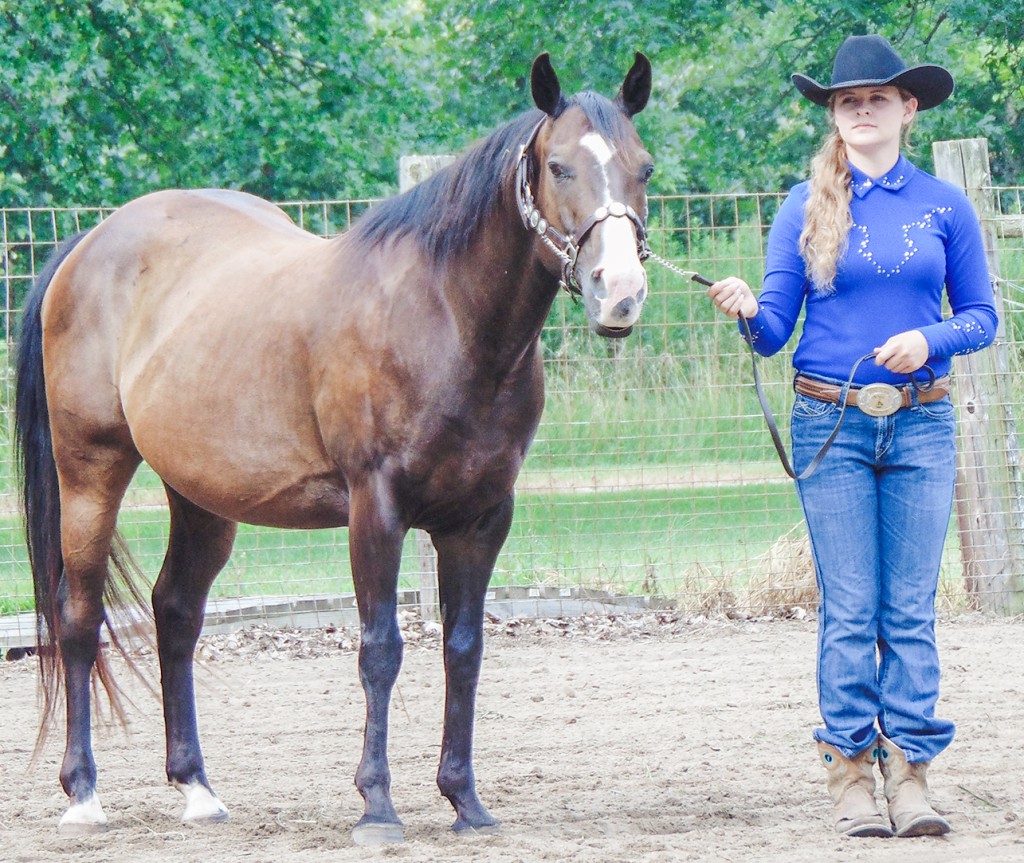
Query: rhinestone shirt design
x,y
864,246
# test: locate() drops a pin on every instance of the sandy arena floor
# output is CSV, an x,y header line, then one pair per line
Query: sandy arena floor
x,y
597,740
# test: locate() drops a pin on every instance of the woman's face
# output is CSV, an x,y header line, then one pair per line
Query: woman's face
x,y
872,118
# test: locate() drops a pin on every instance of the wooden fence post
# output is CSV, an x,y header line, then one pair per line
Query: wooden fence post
x,y
413,170
990,486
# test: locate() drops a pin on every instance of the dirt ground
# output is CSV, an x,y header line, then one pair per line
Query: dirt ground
x,y
638,739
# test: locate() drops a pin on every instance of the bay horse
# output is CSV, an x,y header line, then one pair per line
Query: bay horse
x,y
386,379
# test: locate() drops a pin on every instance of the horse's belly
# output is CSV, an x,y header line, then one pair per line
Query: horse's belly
x,y
299,502
276,477
312,505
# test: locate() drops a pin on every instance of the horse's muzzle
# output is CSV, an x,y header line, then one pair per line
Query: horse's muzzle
x,y
615,298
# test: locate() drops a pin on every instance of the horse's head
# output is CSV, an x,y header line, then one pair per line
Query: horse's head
x,y
589,201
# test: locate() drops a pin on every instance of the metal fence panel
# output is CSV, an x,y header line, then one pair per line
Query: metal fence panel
x,y
652,479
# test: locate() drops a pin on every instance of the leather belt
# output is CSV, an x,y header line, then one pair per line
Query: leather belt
x,y
874,399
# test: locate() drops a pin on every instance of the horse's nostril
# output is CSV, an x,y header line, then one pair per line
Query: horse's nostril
x,y
624,308
597,273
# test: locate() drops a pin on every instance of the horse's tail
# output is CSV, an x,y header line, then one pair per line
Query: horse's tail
x,y
41,503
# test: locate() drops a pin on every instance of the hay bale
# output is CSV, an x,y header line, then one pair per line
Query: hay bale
x,y
705,594
782,581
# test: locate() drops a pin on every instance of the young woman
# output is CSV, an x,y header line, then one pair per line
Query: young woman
x,y
866,247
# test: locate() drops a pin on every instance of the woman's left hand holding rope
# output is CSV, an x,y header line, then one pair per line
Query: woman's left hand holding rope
x,y
903,353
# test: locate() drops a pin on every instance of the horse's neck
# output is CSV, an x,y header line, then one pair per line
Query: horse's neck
x,y
500,292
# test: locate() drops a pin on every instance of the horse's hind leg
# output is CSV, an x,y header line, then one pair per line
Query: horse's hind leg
x,y
91,492
465,561
199,546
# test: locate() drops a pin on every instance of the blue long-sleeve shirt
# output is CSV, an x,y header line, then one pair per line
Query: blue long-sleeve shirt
x,y
912,235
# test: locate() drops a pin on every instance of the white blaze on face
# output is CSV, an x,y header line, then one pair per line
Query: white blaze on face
x,y
603,152
618,272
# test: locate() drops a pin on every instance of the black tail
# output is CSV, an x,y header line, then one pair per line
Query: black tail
x,y
34,454
41,502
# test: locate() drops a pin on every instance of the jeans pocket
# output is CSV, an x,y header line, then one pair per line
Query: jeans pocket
x,y
939,410
804,407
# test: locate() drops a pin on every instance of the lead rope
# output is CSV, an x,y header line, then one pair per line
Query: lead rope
x,y
773,429
686,274
766,410
769,417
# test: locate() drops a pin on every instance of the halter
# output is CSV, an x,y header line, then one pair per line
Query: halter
x,y
568,248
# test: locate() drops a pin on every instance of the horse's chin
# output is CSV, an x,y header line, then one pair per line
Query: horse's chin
x,y
611,332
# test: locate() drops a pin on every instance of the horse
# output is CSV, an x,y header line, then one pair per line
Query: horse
x,y
385,379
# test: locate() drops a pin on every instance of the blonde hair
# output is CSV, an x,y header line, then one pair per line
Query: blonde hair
x,y
827,220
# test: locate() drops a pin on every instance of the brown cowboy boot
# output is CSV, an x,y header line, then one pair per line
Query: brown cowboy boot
x,y
851,783
906,789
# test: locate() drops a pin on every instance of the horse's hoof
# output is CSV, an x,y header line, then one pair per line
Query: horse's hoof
x,y
373,834
201,805
463,828
83,818
206,820
472,818
78,828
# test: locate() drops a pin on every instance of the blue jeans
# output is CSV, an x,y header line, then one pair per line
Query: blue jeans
x,y
877,512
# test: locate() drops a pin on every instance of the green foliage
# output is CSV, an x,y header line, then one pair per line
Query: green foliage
x,y
104,100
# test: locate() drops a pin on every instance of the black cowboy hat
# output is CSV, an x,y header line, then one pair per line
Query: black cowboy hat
x,y
870,61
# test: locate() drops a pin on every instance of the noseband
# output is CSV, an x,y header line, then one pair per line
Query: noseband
x,y
568,248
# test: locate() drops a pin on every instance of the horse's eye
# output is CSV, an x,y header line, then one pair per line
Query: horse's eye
x,y
559,171
646,173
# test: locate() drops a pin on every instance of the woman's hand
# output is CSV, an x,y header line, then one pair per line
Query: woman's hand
x,y
903,353
733,296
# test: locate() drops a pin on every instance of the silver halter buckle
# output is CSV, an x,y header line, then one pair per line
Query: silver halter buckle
x,y
879,400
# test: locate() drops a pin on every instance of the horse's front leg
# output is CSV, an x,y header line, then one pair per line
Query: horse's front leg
x,y
375,548
199,546
465,561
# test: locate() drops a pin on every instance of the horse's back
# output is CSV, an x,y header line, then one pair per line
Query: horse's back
x,y
159,267
167,242
209,208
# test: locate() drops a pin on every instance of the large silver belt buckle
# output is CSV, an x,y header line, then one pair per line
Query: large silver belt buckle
x,y
879,400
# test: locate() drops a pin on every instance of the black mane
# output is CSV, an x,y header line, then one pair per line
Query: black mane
x,y
444,211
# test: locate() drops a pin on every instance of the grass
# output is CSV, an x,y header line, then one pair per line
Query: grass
x,y
691,540
567,538
591,539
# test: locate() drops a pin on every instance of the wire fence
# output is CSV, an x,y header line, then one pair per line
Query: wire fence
x,y
652,480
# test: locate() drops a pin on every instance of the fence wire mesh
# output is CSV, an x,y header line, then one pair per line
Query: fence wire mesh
x,y
651,481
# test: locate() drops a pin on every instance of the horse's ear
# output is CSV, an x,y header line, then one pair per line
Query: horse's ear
x,y
547,93
636,89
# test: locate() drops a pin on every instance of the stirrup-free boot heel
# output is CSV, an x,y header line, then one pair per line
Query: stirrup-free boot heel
x,y
906,789
851,784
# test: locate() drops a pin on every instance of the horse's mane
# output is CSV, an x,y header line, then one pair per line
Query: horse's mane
x,y
444,211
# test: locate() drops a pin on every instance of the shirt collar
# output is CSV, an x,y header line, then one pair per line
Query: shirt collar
x,y
894,179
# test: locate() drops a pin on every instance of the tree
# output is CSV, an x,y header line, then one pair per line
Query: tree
x,y
104,100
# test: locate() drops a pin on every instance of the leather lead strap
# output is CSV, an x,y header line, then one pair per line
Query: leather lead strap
x,y
769,418
773,428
